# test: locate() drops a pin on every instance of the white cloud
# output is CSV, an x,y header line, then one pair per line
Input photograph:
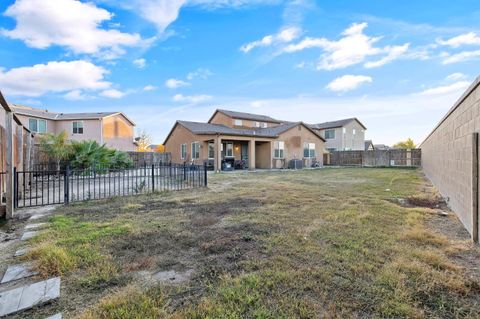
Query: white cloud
x,y
460,57
54,76
192,99
68,23
140,63
175,83
284,36
455,76
201,73
113,94
353,48
456,87
348,82
393,53
75,95
470,38
149,88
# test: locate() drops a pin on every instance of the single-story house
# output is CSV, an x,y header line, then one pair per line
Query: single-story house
x,y
342,135
243,140
114,129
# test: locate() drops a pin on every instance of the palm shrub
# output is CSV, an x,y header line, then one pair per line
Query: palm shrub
x,y
87,154
57,147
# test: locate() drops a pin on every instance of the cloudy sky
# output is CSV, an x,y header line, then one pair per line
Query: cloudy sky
x,y
397,66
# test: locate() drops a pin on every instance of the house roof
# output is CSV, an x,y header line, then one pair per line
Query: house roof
x,y
8,108
368,143
29,111
333,124
246,116
200,128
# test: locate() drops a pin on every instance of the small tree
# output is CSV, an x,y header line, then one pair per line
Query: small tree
x,y
160,148
143,141
57,147
408,144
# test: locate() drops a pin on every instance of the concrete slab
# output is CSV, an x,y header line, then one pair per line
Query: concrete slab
x,y
38,216
21,252
35,226
29,234
26,297
56,316
16,272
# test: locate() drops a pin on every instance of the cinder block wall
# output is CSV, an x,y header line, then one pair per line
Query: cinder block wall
x,y
447,153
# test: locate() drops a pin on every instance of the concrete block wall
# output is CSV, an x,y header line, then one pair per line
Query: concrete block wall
x,y
447,154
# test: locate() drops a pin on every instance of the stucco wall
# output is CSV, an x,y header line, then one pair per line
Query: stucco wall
x,y
51,125
181,135
91,130
294,139
347,140
118,133
447,154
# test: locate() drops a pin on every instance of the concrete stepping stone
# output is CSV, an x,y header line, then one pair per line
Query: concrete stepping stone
x,y
16,272
21,252
56,316
35,226
29,234
26,297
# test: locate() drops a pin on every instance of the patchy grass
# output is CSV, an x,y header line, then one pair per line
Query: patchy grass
x,y
327,243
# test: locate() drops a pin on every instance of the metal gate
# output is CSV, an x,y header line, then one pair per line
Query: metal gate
x,y
49,187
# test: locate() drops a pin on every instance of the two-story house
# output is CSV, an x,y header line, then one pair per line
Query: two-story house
x,y
240,140
342,135
114,129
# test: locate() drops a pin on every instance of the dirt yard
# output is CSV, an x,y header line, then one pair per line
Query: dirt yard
x,y
329,243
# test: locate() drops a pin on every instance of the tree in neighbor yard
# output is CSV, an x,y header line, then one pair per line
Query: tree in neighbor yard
x,y
57,147
143,141
408,144
160,148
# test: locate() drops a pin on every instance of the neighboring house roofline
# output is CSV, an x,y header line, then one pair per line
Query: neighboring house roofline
x,y
462,98
245,116
335,124
7,108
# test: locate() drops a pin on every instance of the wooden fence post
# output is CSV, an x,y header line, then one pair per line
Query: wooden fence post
x,y
475,187
10,165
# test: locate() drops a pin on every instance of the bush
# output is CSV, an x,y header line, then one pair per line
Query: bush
x,y
86,154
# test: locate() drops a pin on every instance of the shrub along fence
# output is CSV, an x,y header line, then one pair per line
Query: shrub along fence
x,y
375,158
47,187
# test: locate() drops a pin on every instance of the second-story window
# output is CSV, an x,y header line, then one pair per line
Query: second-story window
x,y
78,127
329,134
264,125
37,125
238,122
257,124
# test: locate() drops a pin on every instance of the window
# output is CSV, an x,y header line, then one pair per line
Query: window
x,y
279,149
344,130
329,134
257,124
195,150
238,122
211,151
264,125
78,127
354,131
183,151
229,152
331,149
37,125
308,150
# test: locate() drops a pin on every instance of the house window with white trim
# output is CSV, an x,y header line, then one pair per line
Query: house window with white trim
x,y
308,150
279,149
195,150
37,125
257,124
264,125
211,150
77,127
238,122
183,151
329,134
229,150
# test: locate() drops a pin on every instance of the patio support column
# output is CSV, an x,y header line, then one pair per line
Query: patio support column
x,y
9,159
251,155
217,163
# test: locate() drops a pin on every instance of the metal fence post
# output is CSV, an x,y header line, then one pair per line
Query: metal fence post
x,y
205,173
66,185
153,177
184,171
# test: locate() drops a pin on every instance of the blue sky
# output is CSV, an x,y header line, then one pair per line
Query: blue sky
x,y
397,66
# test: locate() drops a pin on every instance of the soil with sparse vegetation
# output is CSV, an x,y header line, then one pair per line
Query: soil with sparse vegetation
x,y
327,243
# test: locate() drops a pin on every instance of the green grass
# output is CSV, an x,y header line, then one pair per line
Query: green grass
x,y
306,244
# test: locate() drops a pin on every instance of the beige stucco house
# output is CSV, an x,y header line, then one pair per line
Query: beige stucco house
x,y
243,140
342,135
114,129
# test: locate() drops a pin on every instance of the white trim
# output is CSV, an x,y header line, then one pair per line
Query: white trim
x,y
181,151
38,119
83,128
282,149
192,152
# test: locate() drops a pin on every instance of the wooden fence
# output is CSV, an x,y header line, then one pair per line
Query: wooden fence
x,y
375,158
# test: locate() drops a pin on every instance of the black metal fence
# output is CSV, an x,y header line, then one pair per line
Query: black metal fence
x,y
47,187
